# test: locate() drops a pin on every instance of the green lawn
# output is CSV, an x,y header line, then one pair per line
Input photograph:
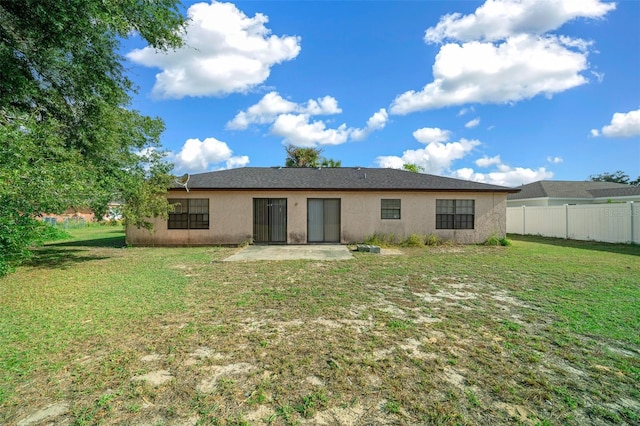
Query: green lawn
x,y
542,332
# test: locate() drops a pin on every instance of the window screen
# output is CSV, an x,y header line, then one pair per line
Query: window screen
x,y
189,213
455,214
390,209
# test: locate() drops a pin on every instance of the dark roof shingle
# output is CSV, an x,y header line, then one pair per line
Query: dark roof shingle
x,y
328,178
573,189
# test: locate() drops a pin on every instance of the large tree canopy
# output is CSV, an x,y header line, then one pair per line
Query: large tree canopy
x,y
67,137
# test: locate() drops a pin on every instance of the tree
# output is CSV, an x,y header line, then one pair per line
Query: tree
x,y
618,177
413,167
308,157
302,157
67,138
329,162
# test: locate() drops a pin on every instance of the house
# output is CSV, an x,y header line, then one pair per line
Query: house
x,y
560,192
325,205
82,215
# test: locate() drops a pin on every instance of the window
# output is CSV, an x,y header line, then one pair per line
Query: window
x,y
455,214
390,209
189,213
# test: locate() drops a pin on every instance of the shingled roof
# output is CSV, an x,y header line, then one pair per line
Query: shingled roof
x,y
573,189
332,178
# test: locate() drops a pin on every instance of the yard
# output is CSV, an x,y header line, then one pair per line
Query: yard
x,y
542,332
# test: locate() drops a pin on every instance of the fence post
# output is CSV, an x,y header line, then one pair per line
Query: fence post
x,y
566,221
631,216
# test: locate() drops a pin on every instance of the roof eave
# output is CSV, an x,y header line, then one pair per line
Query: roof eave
x,y
506,190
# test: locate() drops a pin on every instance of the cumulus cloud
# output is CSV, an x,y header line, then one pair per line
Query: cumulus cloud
x,y
505,175
439,155
376,122
623,125
299,130
272,105
554,160
225,51
431,135
498,19
435,158
487,162
472,123
294,122
198,156
502,53
520,68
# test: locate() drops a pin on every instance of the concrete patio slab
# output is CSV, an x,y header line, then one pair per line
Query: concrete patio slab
x,y
292,252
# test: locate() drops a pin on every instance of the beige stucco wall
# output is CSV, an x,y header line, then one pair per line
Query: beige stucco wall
x,y
231,217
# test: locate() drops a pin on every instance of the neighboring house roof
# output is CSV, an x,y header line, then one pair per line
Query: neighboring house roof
x,y
573,189
332,178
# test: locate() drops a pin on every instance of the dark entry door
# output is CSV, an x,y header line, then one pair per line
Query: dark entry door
x,y
323,220
270,220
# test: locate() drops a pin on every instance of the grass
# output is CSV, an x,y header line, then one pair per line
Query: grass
x,y
541,332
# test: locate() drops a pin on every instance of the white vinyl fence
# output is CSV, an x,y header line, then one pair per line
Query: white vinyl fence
x,y
611,223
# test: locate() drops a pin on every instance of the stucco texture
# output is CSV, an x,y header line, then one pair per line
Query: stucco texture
x,y
231,217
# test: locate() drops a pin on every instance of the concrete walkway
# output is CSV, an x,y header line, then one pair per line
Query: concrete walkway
x,y
292,252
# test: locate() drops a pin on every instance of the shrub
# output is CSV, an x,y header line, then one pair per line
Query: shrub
x,y
414,240
494,240
433,240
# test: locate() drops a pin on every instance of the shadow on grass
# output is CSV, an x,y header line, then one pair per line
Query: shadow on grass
x,y
629,249
108,242
70,252
54,258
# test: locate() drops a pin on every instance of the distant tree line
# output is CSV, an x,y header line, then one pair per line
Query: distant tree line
x,y
618,177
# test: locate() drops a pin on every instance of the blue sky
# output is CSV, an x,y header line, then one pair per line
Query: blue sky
x,y
504,91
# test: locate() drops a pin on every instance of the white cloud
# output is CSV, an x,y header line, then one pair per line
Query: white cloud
x,y
466,110
376,122
486,161
623,125
502,53
435,158
555,160
197,156
272,104
298,130
520,68
499,19
505,175
390,162
431,135
236,162
293,121
598,75
225,51
472,123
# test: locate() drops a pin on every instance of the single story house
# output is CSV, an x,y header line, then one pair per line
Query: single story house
x,y
561,192
82,215
324,205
